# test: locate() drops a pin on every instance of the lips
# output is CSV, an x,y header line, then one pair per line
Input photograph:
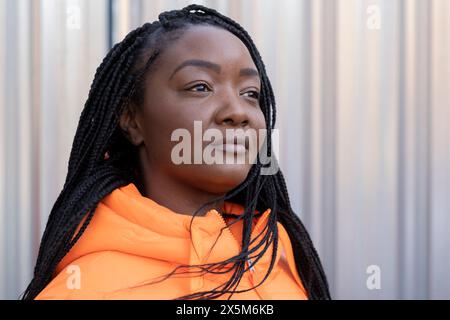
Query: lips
x,y
236,144
232,148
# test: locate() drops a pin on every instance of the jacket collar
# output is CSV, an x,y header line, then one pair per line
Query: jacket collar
x,y
128,222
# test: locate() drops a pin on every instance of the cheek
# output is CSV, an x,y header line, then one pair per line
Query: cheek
x,y
160,127
159,142
259,122
161,117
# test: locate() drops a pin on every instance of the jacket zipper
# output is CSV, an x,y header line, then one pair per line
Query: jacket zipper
x,y
257,226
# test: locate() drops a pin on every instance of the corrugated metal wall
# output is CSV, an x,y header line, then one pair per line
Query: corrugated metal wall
x,y
363,91
49,51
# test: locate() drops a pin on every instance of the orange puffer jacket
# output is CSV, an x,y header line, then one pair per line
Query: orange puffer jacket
x,y
132,242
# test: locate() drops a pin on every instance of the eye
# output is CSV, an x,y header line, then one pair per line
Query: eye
x,y
200,86
254,94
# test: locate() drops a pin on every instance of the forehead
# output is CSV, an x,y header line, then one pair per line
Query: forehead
x,y
209,43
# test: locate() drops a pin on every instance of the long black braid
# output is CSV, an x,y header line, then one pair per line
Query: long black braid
x,y
118,85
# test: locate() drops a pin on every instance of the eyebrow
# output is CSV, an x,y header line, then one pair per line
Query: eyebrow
x,y
244,72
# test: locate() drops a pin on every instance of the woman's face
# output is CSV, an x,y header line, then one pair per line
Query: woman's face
x,y
206,75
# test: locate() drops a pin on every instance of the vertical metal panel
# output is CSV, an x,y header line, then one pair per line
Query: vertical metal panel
x,y
11,151
23,214
3,133
440,152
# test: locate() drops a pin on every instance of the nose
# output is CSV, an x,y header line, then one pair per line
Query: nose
x,y
232,110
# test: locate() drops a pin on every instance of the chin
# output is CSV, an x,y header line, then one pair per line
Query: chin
x,y
225,177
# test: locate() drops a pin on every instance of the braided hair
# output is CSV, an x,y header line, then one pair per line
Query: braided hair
x,y
92,176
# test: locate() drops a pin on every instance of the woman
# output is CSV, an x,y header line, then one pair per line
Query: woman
x,y
132,223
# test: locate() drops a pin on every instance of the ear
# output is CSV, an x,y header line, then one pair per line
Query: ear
x,y
129,124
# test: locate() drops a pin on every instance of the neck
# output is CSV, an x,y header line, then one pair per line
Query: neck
x,y
177,196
